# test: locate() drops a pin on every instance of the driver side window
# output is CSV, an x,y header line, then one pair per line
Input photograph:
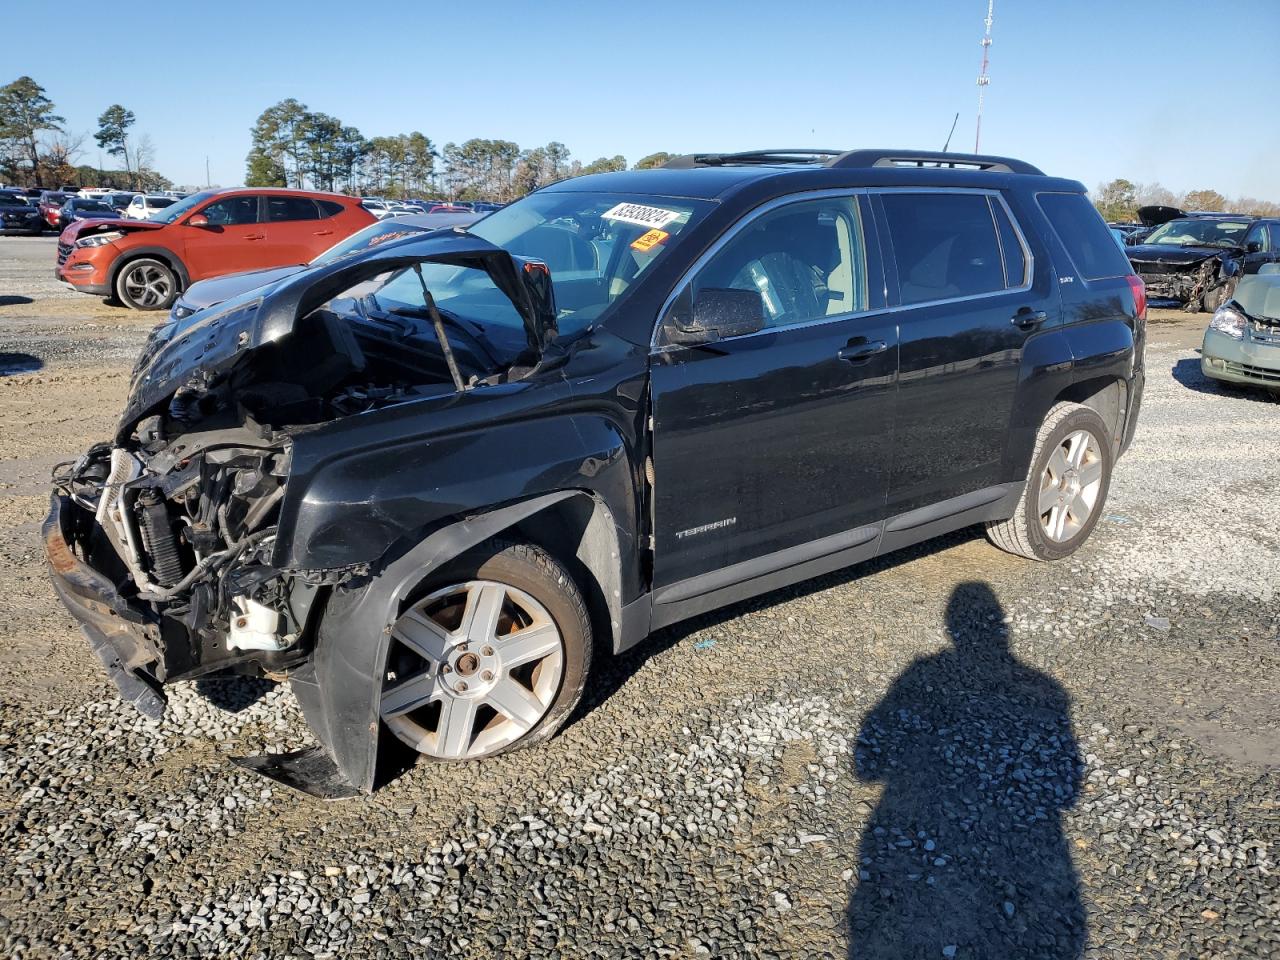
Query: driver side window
x,y
232,211
806,260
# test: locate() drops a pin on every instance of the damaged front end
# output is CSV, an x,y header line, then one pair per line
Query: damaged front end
x,y
165,542
1186,281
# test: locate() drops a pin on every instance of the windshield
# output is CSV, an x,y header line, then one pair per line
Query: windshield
x,y
1200,233
384,231
174,210
9,200
597,246
90,206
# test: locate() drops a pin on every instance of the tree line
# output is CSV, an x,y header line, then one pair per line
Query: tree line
x,y
1118,201
292,146
37,151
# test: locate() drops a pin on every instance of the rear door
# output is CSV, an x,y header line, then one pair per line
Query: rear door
x,y
294,229
960,275
231,241
776,439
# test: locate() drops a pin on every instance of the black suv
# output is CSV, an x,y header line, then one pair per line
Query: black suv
x,y
427,482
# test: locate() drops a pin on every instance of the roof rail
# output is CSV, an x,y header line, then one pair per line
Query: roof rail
x,y
801,155
931,158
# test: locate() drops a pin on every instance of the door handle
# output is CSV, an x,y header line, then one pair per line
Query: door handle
x,y
860,348
1027,319
323,233
256,236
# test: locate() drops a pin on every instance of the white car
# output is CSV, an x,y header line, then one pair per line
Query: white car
x,y
379,208
145,206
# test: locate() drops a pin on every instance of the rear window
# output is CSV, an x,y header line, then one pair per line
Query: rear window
x,y
160,202
945,245
329,208
1093,251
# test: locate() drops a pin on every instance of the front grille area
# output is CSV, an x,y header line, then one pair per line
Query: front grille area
x,y
64,251
1264,333
1256,373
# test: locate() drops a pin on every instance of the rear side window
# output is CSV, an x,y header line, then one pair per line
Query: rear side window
x,y
1015,258
329,208
280,209
945,245
1093,251
1275,236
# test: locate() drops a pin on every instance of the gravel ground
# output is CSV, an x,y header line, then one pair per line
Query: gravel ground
x,y
946,753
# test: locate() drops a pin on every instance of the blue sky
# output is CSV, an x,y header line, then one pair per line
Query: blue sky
x,y
1156,90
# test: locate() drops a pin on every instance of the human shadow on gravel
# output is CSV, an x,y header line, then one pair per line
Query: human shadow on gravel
x,y
1188,373
14,301
964,856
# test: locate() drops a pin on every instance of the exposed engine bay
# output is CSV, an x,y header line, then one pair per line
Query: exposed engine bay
x,y
181,512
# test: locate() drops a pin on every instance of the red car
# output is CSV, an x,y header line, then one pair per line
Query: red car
x,y
147,263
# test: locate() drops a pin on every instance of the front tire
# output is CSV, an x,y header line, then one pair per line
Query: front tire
x,y
1066,487
491,654
146,284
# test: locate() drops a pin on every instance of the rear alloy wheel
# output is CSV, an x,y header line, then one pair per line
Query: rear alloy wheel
x,y
146,284
1066,487
486,662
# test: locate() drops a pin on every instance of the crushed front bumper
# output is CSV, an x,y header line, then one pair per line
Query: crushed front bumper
x,y
1251,361
123,636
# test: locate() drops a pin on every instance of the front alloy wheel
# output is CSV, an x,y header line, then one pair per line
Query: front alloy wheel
x,y
146,285
480,664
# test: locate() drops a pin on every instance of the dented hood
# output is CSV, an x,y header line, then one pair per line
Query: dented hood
x,y
195,351
83,228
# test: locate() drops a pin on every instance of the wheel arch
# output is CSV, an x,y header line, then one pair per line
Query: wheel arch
x,y
164,254
338,688
1108,396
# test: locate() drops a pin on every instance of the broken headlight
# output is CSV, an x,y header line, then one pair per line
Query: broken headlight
x,y
1228,320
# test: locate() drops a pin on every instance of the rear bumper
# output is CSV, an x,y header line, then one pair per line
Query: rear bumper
x,y
123,636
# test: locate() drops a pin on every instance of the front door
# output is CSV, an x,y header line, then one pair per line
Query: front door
x,y
774,439
231,241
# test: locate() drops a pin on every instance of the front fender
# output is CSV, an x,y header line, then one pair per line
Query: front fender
x,y
339,688
394,481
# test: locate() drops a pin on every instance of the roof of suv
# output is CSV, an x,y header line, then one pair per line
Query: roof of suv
x,y
715,176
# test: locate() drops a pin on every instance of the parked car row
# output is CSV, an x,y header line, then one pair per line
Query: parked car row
x,y
146,264
58,208
383,208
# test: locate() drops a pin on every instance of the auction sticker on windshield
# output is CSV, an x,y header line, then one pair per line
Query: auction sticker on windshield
x,y
653,217
647,241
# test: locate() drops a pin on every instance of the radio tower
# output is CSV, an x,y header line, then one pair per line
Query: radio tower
x,y
983,79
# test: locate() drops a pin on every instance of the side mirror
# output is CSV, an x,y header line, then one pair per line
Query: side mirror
x,y
199,220
1253,246
716,313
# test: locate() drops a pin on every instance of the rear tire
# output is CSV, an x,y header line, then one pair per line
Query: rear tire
x,y
146,284
1066,487
491,654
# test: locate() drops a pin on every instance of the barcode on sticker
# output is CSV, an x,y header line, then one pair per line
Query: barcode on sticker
x,y
653,217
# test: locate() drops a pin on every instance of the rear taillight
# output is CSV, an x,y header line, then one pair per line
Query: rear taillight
x,y
1139,295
